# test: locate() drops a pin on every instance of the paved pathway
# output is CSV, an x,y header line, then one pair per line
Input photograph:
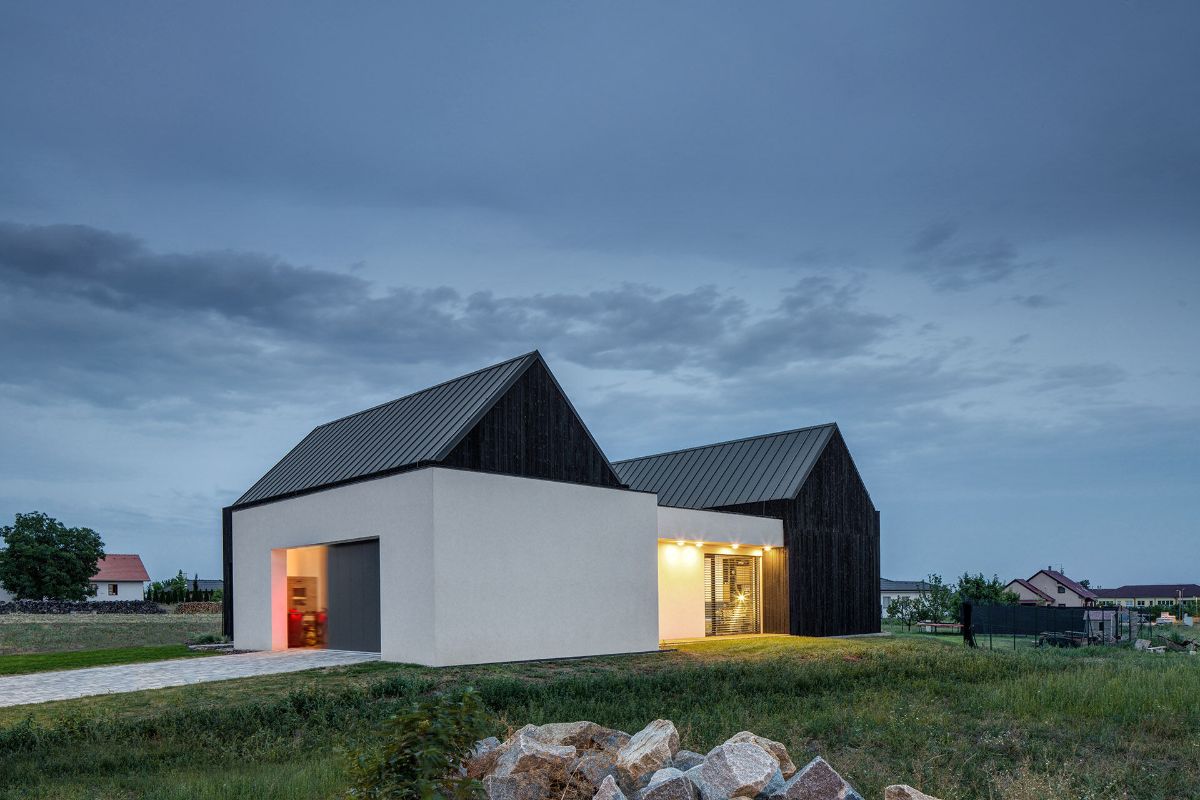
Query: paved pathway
x,y
41,687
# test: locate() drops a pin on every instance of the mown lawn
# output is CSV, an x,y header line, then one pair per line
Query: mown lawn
x,y
76,659
956,722
52,633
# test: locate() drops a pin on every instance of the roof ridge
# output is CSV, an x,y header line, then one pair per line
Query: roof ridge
x,y
430,388
728,441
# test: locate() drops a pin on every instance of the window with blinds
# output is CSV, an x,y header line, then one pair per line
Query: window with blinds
x,y
730,594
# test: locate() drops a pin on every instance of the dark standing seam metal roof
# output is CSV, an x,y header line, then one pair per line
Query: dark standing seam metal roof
x,y
421,427
769,467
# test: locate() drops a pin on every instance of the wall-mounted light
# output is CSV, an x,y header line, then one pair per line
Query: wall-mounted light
x,y
680,543
734,545
699,544
766,547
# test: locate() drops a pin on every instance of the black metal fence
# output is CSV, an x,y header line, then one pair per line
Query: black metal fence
x,y
1015,626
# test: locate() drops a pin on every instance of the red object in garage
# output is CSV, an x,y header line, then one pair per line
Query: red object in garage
x,y
295,628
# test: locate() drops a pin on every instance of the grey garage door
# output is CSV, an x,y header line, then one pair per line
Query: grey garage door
x,y
354,596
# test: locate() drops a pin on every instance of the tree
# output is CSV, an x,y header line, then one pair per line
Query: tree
x,y
982,590
44,559
905,609
938,601
177,584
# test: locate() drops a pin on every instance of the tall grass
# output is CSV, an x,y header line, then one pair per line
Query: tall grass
x,y
958,723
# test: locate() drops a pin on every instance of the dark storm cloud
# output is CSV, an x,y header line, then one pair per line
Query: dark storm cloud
x,y
99,315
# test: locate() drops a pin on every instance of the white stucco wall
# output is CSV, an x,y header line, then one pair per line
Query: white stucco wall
x,y
532,569
690,524
474,567
126,590
398,510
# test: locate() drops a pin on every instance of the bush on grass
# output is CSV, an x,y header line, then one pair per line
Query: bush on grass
x,y
420,750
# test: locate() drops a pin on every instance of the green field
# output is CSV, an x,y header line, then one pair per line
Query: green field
x,y
53,633
77,659
958,723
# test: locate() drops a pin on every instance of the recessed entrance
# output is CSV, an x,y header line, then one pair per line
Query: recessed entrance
x,y
731,595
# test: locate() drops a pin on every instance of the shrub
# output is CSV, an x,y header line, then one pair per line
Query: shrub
x,y
420,751
208,638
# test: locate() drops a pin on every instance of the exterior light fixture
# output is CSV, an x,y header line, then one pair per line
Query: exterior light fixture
x,y
680,543
699,544
766,547
734,545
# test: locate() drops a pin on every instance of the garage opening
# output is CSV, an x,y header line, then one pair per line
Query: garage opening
x,y
731,595
332,596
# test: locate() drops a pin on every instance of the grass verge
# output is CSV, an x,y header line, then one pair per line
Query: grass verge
x,y
48,633
77,659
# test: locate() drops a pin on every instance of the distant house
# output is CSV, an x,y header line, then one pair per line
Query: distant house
x,y
208,584
1048,587
1149,594
120,577
891,590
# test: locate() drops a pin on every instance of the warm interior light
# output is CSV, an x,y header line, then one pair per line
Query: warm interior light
x,y
680,543
766,547
699,544
734,546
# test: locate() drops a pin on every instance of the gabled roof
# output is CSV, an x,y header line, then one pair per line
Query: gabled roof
x,y
1077,588
769,467
117,567
902,586
418,428
1029,587
1133,590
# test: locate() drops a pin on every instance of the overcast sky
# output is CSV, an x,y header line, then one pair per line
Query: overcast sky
x,y
967,232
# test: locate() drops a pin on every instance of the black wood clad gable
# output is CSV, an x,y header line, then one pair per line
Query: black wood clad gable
x,y
831,532
533,431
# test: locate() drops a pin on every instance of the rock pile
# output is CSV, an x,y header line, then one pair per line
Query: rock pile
x,y
586,761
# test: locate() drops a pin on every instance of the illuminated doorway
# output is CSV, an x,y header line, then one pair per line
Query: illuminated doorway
x,y
730,595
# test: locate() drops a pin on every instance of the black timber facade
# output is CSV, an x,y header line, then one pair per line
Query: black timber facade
x,y
831,534
533,431
826,582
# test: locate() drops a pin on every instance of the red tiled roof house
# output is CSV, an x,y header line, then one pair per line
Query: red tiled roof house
x,y
120,576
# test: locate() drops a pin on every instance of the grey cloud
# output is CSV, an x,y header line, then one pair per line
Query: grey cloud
x,y
952,263
1082,376
1036,301
99,316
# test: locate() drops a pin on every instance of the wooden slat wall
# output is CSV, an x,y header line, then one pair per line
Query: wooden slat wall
x,y
831,530
775,615
533,431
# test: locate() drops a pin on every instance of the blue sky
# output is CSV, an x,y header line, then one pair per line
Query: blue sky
x,y
969,233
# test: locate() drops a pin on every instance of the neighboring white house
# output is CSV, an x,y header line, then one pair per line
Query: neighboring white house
x,y
893,590
1049,587
118,577
478,521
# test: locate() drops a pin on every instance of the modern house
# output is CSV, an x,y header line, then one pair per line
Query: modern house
x,y
118,577
1049,587
479,521
1149,594
894,590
